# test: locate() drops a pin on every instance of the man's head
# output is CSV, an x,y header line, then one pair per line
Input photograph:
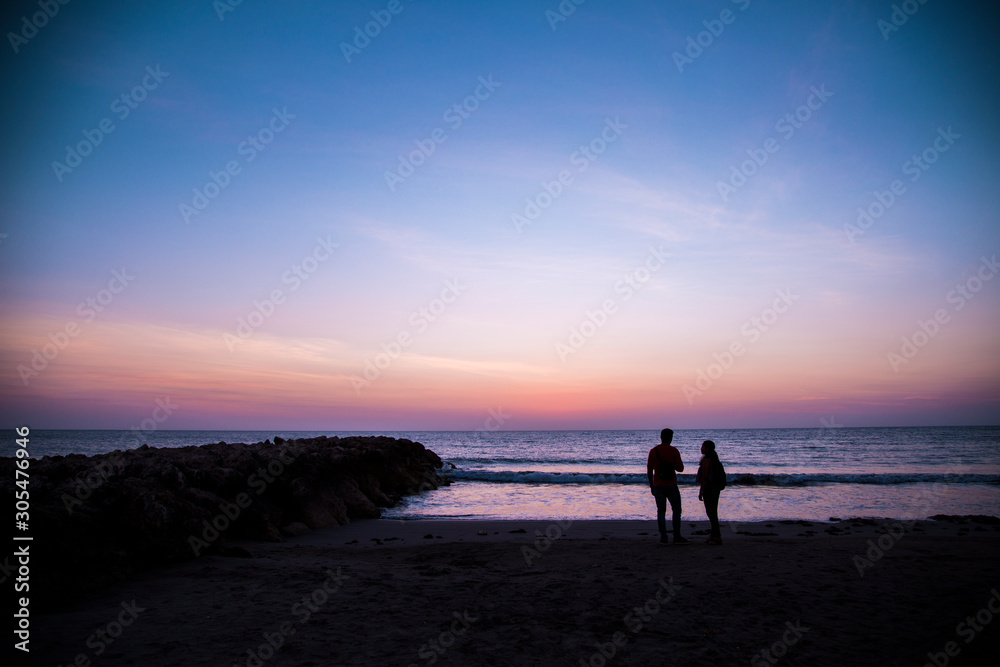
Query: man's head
x,y
666,436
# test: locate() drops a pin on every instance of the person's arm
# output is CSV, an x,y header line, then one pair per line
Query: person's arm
x,y
649,470
679,465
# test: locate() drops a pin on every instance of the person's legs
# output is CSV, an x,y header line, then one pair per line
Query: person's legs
x,y
674,496
712,510
659,493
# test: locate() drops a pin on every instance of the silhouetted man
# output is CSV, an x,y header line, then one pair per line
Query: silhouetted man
x,y
662,466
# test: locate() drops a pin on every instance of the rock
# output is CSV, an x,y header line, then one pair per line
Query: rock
x,y
974,518
295,528
358,504
105,517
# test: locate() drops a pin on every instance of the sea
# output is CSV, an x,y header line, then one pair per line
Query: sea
x,y
773,474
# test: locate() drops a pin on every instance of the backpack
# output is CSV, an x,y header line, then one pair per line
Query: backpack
x,y
719,475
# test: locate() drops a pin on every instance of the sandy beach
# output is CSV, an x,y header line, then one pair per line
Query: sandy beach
x,y
381,592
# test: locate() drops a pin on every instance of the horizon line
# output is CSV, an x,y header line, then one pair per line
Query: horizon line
x,y
535,430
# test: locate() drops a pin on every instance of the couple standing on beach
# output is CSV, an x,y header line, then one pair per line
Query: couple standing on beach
x,y
662,466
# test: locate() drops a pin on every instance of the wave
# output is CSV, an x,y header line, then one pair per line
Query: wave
x,y
569,458
732,479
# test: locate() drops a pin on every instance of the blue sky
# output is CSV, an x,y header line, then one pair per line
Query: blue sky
x,y
323,176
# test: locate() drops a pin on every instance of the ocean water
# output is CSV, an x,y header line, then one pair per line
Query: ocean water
x,y
773,473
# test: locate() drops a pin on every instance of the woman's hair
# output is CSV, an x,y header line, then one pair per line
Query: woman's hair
x,y
711,453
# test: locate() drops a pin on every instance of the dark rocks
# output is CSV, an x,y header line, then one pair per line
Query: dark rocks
x,y
295,528
967,518
98,519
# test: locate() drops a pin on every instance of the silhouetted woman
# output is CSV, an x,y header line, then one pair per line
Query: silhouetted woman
x,y
712,477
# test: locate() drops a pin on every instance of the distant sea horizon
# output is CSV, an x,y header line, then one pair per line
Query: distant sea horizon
x,y
774,473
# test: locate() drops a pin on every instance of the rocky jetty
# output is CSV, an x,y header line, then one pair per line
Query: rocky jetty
x,y
97,519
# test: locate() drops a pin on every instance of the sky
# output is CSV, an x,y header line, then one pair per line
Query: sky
x,y
418,215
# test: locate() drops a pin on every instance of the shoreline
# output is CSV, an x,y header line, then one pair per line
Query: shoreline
x,y
396,532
